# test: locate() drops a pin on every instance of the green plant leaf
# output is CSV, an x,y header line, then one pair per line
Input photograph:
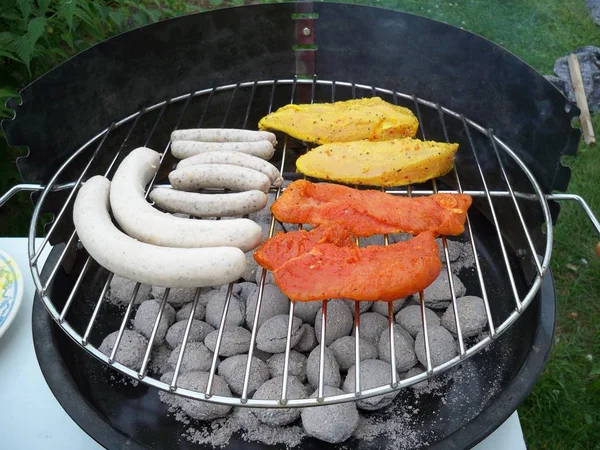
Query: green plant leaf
x,y
66,10
25,45
43,6
25,8
7,92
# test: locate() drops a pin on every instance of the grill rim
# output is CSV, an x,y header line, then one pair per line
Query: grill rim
x,y
283,402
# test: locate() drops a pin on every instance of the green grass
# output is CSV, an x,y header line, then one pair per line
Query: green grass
x,y
563,412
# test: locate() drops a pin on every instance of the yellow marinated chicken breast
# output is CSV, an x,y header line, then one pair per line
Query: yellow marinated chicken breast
x,y
394,162
352,120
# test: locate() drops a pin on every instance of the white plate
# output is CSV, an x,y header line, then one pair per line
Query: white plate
x,y
11,291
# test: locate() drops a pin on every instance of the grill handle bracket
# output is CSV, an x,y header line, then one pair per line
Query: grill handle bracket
x,y
586,208
31,187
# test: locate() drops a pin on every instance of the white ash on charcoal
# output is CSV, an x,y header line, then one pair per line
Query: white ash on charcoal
x,y
263,356
471,315
404,348
269,277
307,311
442,346
308,341
466,260
344,350
185,310
376,239
455,248
331,423
251,268
273,303
331,369
363,307
198,331
410,319
121,289
414,372
197,409
233,370
264,215
272,335
338,321
296,366
271,390
196,358
159,358
132,348
245,417
145,317
399,237
437,295
236,313
178,296
370,327
383,307
205,298
373,373
234,341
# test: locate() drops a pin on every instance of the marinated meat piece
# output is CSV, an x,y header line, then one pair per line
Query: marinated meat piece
x,y
343,121
368,212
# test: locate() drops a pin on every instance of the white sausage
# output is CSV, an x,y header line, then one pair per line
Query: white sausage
x,y
236,159
140,220
221,176
185,149
146,263
222,135
209,205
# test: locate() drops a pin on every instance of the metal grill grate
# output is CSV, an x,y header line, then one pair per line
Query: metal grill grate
x,y
224,100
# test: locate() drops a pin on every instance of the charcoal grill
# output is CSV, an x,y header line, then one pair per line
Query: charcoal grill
x,y
511,124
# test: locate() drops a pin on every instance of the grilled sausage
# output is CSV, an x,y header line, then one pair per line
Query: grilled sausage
x,y
143,222
221,176
146,263
222,135
184,149
236,159
209,205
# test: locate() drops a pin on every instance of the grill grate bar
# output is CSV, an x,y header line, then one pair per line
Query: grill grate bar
x,y
484,295
75,289
213,366
322,350
494,217
71,195
144,368
357,386
286,361
134,294
248,109
425,333
226,116
88,330
184,343
461,343
514,199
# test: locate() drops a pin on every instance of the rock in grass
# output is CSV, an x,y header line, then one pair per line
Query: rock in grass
x,y
198,332
383,309
442,346
196,358
307,311
271,390
273,303
184,312
197,409
338,321
370,327
233,370
404,349
121,289
214,310
234,341
344,351
410,319
373,373
296,367
471,314
437,295
308,341
132,348
272,335
331,423
331,369
145,317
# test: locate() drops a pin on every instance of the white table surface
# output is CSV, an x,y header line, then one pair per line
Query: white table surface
x,y
32,419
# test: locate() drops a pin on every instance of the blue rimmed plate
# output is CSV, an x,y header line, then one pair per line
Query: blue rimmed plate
x,y
11,291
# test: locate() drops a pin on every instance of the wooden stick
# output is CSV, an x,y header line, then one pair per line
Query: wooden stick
x,y
577,82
